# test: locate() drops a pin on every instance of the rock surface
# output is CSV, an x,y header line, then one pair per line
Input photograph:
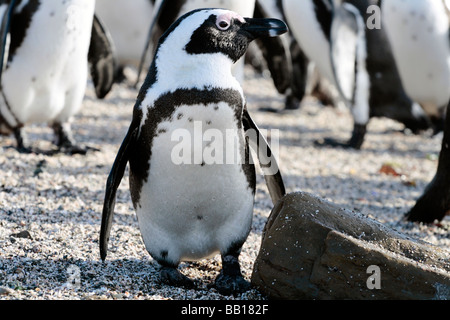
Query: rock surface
x,y
313,249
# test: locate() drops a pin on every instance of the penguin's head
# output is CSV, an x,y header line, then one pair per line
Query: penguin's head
x,y
218,31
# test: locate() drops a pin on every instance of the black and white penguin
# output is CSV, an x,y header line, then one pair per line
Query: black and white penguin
x,y
419,34
192,190
356,59
48,47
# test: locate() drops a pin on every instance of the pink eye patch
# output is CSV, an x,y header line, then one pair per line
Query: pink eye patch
x,y
224,20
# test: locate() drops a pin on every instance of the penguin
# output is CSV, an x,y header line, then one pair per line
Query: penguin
x,y
418,31
357,60
47,49
189,206
127,23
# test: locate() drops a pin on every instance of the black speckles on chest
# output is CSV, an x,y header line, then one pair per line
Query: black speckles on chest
x,y
165,109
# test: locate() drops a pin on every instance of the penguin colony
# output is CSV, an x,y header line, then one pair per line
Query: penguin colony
x,y
355,59
190,85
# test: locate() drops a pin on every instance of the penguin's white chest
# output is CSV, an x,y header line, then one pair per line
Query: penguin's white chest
x,y
197,199
419,35
51,63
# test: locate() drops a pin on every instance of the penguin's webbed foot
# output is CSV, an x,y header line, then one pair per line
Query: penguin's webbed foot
x,y
231,284
333,143
173,277
230,280
355,142
21,141
292,103
65,142
75,149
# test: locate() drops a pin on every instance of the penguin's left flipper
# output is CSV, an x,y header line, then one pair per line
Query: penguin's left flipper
x,y
275,54
347,39
102,59
113,182
161,11
266,158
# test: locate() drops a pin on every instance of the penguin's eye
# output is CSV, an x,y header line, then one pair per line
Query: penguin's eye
x,y
223,25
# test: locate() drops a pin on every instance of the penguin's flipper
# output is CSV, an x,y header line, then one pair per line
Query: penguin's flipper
x,y
113,182
345,40
276,54
4,30
102,59
266,158
160,7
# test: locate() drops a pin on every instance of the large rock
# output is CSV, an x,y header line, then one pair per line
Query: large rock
x,y
313,249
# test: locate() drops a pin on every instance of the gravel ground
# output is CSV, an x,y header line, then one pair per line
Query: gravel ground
x,y
50,206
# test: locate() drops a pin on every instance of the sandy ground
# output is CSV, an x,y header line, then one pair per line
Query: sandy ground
x,y
58,199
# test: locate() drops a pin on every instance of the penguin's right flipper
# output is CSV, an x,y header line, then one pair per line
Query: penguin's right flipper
x,y
112,184
102,59
266,158
4,30
7,12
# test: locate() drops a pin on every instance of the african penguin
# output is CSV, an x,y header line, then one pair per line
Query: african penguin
x,y
47,47
356,60
190,206
419,34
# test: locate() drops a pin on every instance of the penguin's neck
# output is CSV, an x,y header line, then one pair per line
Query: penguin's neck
x,y
201,72
196,71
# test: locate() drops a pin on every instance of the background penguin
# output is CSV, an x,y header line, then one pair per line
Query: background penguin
x,y
194,209
128,23
47,45
419,34
355,59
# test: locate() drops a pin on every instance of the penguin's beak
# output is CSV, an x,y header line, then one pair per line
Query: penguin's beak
x,y
259,28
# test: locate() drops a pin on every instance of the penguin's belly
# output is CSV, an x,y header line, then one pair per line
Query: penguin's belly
x,y
418,32
197,200
51,63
